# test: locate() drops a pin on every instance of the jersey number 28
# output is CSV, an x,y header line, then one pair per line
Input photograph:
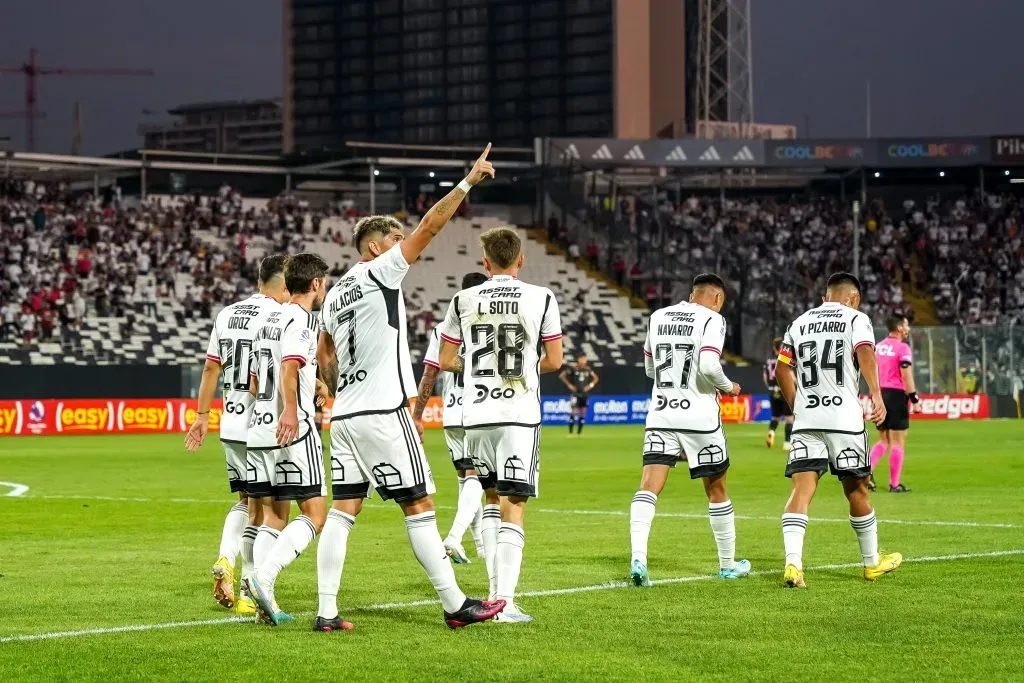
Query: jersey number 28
x,y
508,344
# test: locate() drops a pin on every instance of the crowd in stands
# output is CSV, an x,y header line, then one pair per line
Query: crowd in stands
x,y
966,253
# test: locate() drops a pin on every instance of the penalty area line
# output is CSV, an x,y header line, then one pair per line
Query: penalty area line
x,y
610,585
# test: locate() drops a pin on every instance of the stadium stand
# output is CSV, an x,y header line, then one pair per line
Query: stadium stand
x,y
109,279
88,281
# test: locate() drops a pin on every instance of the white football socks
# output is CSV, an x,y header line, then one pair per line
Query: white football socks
x,y
723,526
866,528
794,526
231,536
248,540
469,503
330,560
289,545
641,516
429,550
476,530
489,523
511,539
266,536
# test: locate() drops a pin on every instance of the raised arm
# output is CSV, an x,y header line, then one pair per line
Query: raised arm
x,y
426,390
439,214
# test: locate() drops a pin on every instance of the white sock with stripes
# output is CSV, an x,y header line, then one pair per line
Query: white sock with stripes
x,y
231,535
289,545
330,560
248,541
641,516
266,536
723,526
794,526
866,528
429,550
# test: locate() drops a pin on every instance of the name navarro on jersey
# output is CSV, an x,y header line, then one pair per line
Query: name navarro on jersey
x,y
675,325
824,326
241,315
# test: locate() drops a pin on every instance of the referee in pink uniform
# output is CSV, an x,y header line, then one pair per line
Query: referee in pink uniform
x,y
896,378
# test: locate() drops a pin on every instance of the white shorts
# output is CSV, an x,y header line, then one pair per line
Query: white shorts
x,y
706,454
844,454
455,438
234,454
379,448
506,458
294,472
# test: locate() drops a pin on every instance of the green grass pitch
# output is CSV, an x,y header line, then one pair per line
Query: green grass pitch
x,y
121,532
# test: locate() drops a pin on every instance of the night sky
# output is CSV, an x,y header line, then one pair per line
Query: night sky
x,y
937,67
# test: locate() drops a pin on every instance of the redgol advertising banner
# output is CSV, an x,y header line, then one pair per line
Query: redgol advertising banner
x,y
943,407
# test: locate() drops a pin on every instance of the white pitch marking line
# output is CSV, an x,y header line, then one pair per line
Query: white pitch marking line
x,y
610,585
606,513
16,489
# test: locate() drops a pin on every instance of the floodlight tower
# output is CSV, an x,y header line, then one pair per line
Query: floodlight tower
x,y
725,67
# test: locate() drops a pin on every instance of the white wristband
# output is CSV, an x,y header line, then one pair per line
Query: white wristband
x,y
464,186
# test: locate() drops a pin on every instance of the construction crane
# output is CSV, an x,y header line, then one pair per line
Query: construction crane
x,y
31,70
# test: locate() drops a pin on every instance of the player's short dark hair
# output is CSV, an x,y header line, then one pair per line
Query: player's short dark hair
x,y
369,226
502,246
777,343
301,270
843,278
473,279
272,266
894,321
708,280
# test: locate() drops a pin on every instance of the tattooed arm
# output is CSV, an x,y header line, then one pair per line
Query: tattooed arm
x,y
426,391
439,215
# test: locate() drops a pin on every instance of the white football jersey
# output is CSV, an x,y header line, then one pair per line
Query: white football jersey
x,y
451,383
682,399
365,315
288,333
821,346
502,324
231,346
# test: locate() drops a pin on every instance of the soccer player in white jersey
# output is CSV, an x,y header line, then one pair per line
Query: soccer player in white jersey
x,y
682,355
227,363
374,441
827,346
504,324
283,439
468,513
